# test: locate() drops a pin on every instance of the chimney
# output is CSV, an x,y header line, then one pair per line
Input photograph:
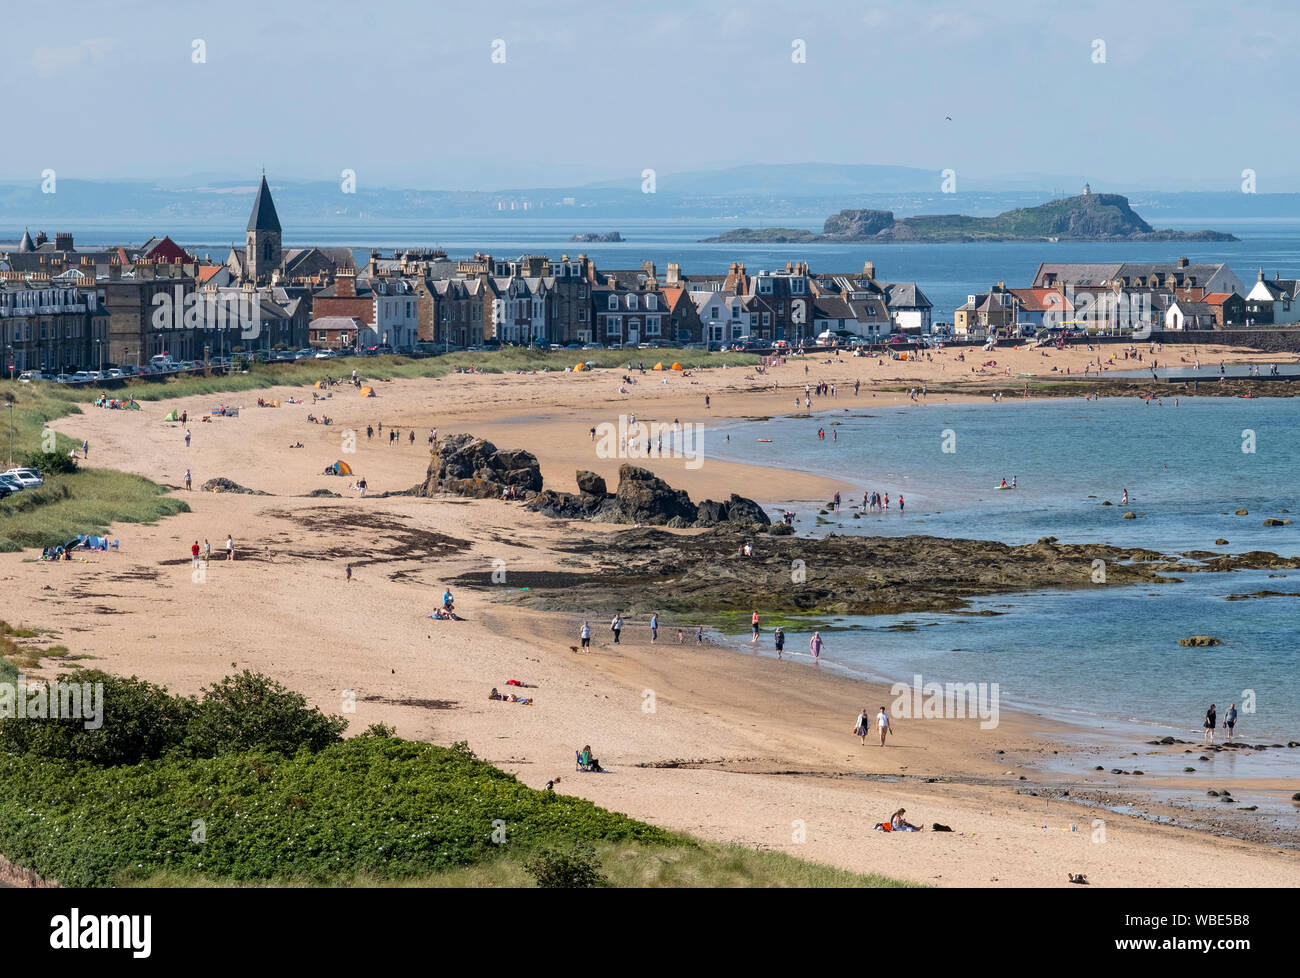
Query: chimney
x,y
345,284
1261,273
1182,262
674,273
62,241
869,270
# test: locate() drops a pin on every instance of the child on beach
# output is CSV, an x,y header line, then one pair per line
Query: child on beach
x,y
779,638
699,635
754,625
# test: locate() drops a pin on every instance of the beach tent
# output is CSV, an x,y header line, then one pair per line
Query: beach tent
x,y
342,468
172,415
367,392
658,366
677,366
320,384
579,366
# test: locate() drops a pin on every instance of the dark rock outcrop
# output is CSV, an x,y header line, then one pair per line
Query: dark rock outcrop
x,y
642,497
469,466
222,484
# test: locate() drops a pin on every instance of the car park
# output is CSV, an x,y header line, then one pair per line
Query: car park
x,y
29,478
10,483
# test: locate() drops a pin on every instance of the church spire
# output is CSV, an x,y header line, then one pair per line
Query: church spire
x,y
264,217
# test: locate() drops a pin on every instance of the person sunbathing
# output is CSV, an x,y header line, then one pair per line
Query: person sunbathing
x,y
587,761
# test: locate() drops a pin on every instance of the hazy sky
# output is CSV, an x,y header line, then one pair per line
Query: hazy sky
x,y
407,94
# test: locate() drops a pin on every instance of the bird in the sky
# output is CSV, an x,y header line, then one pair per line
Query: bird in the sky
x,y
948,117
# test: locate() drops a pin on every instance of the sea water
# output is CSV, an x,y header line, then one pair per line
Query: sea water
x,y
1103,652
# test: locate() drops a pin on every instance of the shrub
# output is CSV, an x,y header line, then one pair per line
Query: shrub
x,y
51,463
568,869
141,722
254,712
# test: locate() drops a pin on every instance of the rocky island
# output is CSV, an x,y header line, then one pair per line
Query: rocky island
x,y
1087,217
609,237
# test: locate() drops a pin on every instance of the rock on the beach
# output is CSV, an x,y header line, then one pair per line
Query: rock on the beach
x,y
1220,542
1200,640
1243,512
643,497
1129,516
220,484
1274,521
469,466
590,484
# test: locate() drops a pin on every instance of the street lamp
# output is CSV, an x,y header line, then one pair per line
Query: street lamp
x,y
99,347
10,406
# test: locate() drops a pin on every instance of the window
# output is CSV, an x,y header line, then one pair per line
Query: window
x,y
765,286
651,302
613,301
798,286
613,327
652,325
631,302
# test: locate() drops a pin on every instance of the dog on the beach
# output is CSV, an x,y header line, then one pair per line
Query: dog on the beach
x,y
573,648
1079,878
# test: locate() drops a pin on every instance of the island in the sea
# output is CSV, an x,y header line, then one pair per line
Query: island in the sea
x,y
606,238
1087,217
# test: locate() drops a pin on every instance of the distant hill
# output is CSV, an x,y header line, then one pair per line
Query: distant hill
x,y
1087,217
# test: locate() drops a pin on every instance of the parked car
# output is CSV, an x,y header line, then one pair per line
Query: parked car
x,y
29,478
27,376
593,346
10,483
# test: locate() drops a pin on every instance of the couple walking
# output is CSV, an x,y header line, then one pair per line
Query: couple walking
x,y
862,726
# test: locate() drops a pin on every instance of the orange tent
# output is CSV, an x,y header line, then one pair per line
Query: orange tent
x,y
677,366
367,392
658,366
580,366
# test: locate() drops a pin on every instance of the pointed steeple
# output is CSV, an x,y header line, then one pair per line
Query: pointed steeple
x,y
26,244
264,217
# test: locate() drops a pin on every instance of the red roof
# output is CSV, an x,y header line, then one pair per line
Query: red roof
x,y
1218,298
1042,300
206,272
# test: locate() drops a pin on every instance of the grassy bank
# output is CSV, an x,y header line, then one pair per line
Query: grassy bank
x,y
86,501
303,373
625,864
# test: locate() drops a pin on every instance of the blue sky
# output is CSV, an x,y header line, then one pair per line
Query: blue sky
x,y
407,93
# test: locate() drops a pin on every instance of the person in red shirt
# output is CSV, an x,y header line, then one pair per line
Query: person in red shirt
x,y
194,554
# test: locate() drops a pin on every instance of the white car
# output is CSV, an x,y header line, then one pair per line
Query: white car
x,y
10,484
28,478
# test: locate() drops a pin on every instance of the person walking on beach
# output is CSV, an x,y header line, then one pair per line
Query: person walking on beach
x,y
1210,719
230,547
85,449
862,726
654,628
681,636
584,634
1230,720
706,402
900,504
188,481
753,623
187,438
778,637
815,645
882,724
616,626
699,635
347,571
207,551
194,554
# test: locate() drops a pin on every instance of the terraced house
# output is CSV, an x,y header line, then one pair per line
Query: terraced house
x,y
49,326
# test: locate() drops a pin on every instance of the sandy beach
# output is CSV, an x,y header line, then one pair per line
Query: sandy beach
x,y
724,745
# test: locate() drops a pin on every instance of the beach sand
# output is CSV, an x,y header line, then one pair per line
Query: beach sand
x,y
720,744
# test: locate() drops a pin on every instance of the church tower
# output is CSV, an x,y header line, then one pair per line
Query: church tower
x,y
262,239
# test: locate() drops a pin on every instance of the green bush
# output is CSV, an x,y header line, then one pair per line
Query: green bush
x,y
382,806
50,463
253,712
576,868
141,721
144,722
